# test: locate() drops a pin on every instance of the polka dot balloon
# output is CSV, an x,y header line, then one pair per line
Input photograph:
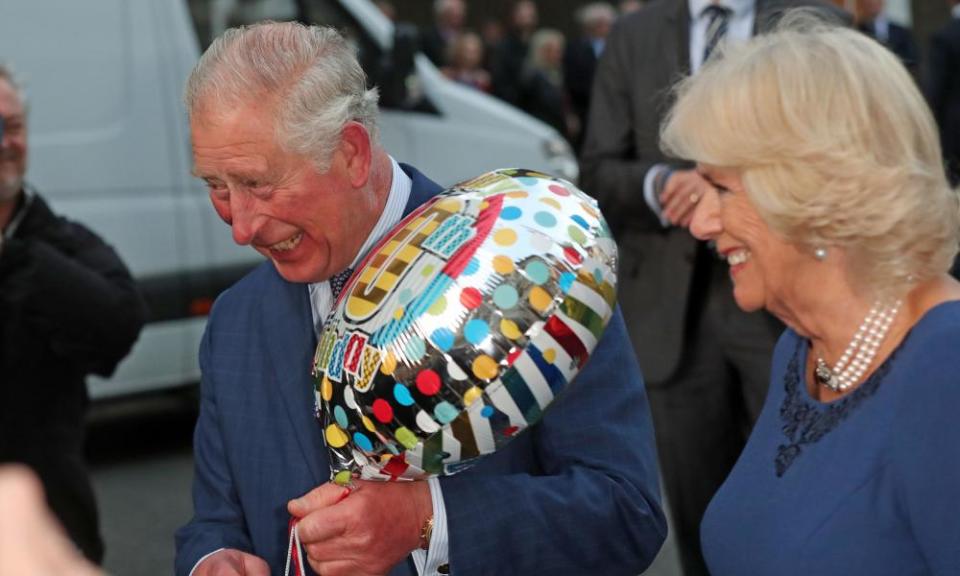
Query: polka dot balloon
x,y
462,325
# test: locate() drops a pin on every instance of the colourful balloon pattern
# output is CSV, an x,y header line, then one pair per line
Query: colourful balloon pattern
x,y
462,325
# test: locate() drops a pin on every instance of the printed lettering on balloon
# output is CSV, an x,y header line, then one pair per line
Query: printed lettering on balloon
x,y
450,236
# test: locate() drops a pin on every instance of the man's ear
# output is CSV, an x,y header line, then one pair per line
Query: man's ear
x,y
357,150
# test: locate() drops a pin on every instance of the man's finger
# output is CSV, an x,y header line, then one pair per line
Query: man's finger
x,y
255,566
320,497
323,524
336,568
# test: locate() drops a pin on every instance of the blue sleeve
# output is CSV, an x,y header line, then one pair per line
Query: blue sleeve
x,y
218,520
927,456
596,507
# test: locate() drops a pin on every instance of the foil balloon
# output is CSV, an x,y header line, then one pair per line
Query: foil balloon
x,y
462,326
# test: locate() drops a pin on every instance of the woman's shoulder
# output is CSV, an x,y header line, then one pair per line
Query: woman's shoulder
x,y
937,332
929,358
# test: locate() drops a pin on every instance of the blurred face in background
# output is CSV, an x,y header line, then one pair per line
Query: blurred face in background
x,y
600,28
13,145
453,14
551,53
868,10
628,6
525,17
468,52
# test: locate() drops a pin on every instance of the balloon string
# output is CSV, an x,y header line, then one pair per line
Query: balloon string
x,y
293,550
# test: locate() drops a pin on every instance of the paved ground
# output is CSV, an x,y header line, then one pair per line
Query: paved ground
x,y
142,467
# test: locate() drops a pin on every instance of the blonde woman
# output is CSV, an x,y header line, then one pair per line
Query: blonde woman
x,y
831,207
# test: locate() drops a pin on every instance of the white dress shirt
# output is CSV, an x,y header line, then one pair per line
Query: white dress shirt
x,y
739,29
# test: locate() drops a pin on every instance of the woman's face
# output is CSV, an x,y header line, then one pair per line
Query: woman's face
x,y
765,268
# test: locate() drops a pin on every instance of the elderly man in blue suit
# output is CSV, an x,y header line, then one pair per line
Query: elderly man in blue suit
x,y
284,134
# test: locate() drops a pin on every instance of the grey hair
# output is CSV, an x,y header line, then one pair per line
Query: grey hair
x,y
596,12
311,71
6,73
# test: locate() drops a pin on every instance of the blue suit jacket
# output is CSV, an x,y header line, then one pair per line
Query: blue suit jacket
x,y
575,494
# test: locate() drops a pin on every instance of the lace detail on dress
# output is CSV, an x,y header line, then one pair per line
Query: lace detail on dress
x,y
806,422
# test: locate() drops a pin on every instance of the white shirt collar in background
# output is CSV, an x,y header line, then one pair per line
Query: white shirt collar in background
x,y
739,27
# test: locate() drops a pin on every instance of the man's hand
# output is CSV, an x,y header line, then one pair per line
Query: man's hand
x,y
681,193
31,541
230,562
363,532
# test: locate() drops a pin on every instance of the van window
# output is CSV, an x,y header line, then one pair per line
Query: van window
x,y
393,73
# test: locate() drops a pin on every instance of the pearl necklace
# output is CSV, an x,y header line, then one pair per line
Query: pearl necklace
x,y
860,352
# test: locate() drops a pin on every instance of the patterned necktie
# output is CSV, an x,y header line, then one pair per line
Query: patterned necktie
x,y
338,281
717,19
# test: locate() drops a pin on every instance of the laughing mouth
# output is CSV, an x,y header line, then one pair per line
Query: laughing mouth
x,y
737,257
288,244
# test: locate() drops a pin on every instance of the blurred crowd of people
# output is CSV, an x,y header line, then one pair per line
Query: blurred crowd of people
x,y
536,68
544,72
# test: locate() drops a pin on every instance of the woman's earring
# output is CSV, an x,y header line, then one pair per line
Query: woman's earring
x,y
820,254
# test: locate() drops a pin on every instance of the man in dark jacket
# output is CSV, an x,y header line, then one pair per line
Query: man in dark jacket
x,y
509,56
943,89
68,308
449,16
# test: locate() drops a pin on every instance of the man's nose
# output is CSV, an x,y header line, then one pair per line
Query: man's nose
x,y
245,222
706,223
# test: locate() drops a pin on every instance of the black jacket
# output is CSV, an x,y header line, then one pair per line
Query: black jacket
x,y
943,92
68,308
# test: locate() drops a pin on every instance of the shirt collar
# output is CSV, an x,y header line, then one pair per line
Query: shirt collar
x,y
400,187
321,296
740,7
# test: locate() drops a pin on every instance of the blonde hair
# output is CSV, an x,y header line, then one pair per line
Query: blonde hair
x,y
540,40
835,145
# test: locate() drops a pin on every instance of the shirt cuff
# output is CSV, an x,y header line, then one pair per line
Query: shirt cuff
x,y
429,561
194,569
650,192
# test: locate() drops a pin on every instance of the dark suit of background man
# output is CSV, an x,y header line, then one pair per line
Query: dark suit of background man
x,y
706,363
508,57
943,89
580,61
68,308
898,39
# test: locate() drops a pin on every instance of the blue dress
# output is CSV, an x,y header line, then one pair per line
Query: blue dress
x,y
867,484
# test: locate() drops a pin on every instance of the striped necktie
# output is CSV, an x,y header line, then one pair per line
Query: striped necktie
x,y
338,281
717,19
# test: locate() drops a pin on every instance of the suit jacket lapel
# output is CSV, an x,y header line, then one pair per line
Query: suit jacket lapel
x,y
679,20
291,342
422,190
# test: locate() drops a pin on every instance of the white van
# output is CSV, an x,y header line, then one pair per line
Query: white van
x,y
109,142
